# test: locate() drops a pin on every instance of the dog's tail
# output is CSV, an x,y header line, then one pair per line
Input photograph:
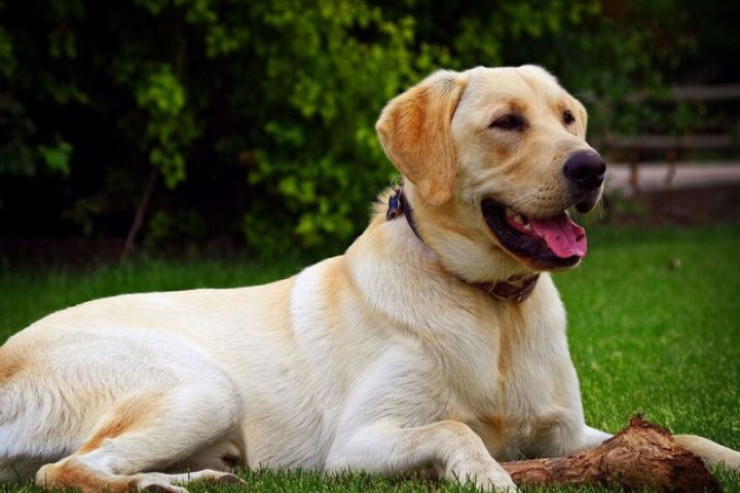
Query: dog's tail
x,y
712,453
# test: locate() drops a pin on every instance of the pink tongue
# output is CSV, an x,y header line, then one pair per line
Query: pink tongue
x,y
564,237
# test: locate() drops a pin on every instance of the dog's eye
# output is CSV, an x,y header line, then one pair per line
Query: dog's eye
x,y
568,117
508,122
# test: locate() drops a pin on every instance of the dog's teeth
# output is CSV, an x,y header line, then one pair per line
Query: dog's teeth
x,y
527,226
510,212
519,218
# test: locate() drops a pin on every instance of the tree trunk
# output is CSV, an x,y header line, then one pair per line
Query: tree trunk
x,y
128,247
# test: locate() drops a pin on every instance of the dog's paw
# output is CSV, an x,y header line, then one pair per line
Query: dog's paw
x,y
498,483
488,477
159,487
230,479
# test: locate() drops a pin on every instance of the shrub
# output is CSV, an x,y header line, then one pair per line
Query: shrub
x,y
256,116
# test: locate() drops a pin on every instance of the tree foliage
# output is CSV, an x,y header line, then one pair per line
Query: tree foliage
x,y
258,116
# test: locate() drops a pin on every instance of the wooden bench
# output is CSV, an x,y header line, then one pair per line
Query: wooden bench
x,y
673,146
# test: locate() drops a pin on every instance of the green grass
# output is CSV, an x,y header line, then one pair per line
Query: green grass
x,y
645,336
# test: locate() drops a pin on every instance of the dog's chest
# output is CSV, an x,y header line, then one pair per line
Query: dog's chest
x,y
529,419
526,396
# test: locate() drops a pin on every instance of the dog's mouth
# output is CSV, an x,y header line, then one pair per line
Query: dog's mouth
x,y
544,244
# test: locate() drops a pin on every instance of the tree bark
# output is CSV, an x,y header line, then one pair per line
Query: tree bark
x,y
641,456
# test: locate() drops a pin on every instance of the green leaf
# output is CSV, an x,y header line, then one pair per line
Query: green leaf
x,y
57,158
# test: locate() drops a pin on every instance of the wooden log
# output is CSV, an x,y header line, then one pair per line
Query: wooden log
x,y
641,456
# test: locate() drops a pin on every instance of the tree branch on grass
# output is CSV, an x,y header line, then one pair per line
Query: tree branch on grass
x,y
641,456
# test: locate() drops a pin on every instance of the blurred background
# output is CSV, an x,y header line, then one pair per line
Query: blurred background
x,y
213,126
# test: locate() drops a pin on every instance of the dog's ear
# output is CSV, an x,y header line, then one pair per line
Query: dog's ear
x,y
414,129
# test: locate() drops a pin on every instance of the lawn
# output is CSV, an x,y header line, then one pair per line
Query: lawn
x,y
654,327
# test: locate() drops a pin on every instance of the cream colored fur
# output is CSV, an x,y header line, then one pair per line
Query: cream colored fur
x,y
385,359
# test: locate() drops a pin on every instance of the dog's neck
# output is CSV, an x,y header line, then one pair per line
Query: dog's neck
x,y
516,289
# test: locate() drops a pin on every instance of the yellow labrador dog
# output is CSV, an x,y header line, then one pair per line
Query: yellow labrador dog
x,y
437,341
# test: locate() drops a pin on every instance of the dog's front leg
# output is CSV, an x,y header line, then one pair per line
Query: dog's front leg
x,y
712,453
449,446
590,438
571,439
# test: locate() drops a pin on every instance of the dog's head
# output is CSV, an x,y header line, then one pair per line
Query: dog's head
x,y
493,158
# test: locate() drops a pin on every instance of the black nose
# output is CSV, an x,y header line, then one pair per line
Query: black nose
x,y
585,170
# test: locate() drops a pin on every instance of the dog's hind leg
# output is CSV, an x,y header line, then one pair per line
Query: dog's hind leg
x,y
136,438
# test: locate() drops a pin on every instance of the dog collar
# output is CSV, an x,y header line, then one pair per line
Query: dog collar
x,y
515,289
